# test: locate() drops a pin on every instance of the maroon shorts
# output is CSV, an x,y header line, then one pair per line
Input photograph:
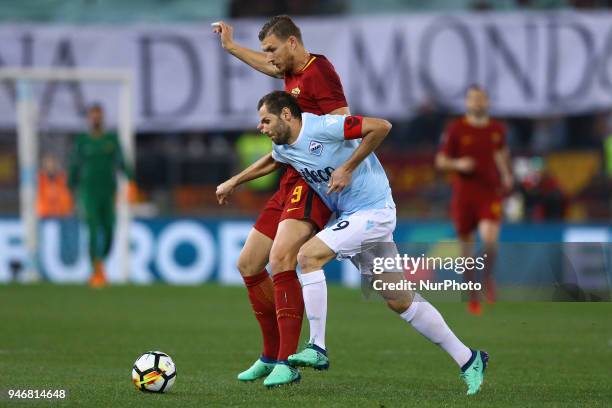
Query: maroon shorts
x,y
293,200
468,210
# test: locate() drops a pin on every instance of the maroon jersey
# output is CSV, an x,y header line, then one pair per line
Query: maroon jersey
x,y
318,90
317,86
479,143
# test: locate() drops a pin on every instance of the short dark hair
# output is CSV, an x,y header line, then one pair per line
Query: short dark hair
x,y
95,106
476,87
281,26
277,100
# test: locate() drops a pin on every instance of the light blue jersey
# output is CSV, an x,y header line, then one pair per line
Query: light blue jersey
x,y
320,149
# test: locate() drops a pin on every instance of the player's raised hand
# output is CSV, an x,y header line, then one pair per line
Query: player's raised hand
x,y
226,32
465,165
339,179
224,191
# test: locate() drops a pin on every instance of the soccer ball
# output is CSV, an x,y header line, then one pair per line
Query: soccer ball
x,y
154,371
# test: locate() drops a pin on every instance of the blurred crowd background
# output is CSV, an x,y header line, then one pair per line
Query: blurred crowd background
x,y
562,164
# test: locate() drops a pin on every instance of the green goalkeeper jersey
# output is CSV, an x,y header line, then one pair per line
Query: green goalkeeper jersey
x,y
94,163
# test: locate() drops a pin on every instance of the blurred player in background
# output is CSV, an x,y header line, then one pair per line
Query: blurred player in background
x,y
54,198
474,148
294,213
346,173
94,162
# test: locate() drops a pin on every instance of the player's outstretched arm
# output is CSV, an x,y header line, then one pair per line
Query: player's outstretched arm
x,y
373,132
255,59
260,168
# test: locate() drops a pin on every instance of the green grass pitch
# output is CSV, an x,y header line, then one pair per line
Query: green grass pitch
x,y
85,341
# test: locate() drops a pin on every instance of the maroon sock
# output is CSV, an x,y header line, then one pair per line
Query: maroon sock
x,y
261,295
289,312
470,276
489,277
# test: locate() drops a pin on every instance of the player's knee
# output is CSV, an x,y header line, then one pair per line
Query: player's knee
x,y
489,234
303,258
399,305
242,266
308,260
245,267
282,260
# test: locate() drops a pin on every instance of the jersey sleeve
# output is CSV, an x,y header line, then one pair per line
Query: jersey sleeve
x,y
448,141
327,88
340,127
329,128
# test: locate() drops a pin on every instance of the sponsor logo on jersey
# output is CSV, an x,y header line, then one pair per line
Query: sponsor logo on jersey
x,y
317,175
496,209
315,148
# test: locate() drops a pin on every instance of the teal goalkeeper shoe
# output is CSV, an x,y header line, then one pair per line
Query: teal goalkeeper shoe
x,y
312,356
258,370
472,372
282,375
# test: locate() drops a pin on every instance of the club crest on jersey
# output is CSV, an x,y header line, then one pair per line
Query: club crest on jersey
x,y
295,91
315,148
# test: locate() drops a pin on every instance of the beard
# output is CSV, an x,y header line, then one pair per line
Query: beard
x,y
479,113
287,65
281,134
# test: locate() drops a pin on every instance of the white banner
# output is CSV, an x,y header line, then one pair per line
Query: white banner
x,y
531,63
